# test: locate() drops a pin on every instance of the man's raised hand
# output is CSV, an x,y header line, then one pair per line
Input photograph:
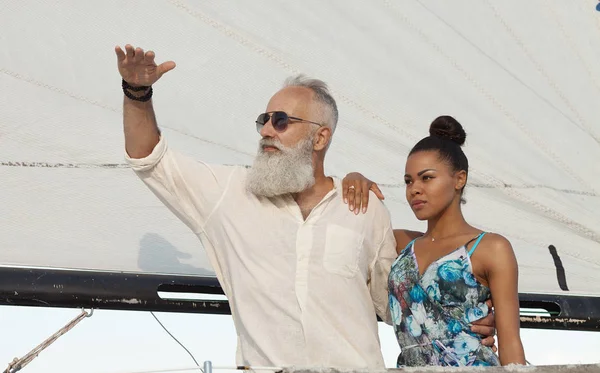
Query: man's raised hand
x,y
138,68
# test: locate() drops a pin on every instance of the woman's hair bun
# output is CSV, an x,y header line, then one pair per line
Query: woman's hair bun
x,y
448,128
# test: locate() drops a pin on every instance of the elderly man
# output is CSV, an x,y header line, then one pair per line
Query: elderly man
x,y
303,275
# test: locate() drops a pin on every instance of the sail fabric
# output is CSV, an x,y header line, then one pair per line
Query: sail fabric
x,y
522,78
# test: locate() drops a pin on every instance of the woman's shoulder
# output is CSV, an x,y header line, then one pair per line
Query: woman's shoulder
x,y
403,238
495,242
494,251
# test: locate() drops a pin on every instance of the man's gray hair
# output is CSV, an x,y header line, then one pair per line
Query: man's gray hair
x,y
322,95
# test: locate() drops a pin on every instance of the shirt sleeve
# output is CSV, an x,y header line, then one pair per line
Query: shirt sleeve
x,y
191,189
379,272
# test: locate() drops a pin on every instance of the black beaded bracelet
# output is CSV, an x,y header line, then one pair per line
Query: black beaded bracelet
x,y
126,85
127,88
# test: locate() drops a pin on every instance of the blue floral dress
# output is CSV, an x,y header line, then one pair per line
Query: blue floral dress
x,y
432,312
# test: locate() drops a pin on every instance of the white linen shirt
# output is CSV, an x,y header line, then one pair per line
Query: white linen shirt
x,y
302,292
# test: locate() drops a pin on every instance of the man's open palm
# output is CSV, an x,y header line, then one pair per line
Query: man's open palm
x,y
138,68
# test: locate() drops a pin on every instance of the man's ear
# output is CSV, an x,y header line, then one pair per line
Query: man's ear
x,y
461,180
322,138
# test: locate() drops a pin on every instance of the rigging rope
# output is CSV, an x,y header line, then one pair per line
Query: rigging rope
x,y
176,340
18,364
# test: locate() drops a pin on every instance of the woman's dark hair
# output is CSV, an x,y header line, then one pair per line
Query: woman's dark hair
x,y
446,136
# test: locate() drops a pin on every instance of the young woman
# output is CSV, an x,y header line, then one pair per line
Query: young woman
x,y
441,279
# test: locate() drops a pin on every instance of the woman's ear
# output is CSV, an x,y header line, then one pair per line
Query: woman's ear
x,y
461,180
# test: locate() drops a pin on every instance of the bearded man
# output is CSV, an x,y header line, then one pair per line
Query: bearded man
x,y
304,276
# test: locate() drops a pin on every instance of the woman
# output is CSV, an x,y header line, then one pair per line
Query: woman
x,y
441,279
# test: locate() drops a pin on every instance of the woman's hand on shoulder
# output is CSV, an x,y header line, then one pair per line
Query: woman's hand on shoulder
x,y
355,191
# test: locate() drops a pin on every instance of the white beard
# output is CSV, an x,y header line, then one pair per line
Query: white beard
x,y
289,170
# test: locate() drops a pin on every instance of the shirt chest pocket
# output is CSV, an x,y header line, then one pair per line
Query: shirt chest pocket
x,y
342,250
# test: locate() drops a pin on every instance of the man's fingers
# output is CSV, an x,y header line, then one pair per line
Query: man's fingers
x,y
149,57
120,53
488,341
483,330
138,55
486,321
129,51
165,67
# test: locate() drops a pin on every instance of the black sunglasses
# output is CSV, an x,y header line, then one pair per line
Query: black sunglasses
x,y
279,120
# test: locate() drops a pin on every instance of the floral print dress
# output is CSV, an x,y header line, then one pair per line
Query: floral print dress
x,y
432,312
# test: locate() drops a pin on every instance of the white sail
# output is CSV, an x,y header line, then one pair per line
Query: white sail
x,y
521,76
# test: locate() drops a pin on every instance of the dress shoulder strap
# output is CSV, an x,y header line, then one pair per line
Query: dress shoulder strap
x,y
410,244
476,243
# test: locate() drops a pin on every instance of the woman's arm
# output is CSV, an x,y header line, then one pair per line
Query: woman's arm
x,y
501,270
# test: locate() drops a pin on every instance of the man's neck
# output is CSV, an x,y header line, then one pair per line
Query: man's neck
x,y
310,197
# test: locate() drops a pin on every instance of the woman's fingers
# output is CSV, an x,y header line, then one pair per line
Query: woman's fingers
x,y
345,190
377,191
355,192
357,200
365,195
351,195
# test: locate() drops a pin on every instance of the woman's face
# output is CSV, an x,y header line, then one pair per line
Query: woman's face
x,y
431,184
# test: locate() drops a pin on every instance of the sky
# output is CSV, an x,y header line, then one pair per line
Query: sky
x,y
132,341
